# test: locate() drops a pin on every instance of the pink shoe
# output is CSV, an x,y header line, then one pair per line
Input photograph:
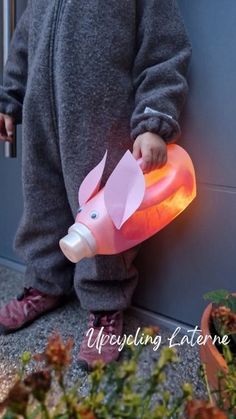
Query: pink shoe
x,y
97,342
25,308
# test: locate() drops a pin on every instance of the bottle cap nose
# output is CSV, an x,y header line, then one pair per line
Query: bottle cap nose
x,y
75,247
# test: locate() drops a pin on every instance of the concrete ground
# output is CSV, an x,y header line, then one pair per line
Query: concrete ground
x,y
70,320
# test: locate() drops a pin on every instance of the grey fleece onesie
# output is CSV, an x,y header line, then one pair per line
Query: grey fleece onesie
x,y
84,76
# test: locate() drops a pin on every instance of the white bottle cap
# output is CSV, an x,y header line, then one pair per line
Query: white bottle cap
x,y
75,247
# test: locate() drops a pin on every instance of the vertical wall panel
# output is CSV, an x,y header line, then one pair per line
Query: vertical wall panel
x,y
196,253
10,178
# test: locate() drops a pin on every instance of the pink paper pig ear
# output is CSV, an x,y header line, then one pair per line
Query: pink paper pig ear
x,y
124,190
91,183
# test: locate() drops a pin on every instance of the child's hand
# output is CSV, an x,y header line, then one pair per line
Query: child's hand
x,y
152,148
6,127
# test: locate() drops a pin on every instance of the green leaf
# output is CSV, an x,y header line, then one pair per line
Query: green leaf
x,y
216,296
218,326
26,357
35,413
9,415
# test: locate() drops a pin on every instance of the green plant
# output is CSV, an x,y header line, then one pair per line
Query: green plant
x,y
223,315
117,390
223,322
222,297
224,397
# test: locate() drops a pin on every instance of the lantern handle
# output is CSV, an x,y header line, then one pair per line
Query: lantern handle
x,y
140,161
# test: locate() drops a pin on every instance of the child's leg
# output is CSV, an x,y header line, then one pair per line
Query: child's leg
x,y
47,213
107,282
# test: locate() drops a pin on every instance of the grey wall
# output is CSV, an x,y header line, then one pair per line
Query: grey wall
x,y
10,177
196,253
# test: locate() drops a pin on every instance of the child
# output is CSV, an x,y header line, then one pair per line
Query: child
x,y
83,77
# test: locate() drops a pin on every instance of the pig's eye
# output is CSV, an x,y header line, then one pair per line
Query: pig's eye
x,y
94,214
79,210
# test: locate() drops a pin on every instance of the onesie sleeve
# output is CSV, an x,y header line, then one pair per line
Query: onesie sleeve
x,y
12,90
160,68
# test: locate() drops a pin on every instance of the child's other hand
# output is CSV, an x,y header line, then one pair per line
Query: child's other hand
x,y
152,148
6,127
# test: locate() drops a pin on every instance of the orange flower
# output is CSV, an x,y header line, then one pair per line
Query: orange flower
x,y
151,330
85,412
57,353
202,409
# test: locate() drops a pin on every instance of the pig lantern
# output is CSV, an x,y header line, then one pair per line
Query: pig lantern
x,y
131,207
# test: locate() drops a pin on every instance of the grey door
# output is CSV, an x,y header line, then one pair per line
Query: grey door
x,y
10,175
196,253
